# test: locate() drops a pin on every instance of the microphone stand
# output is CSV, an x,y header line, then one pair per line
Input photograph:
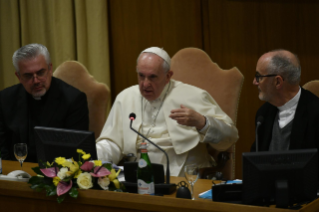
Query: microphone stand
x,y
167,164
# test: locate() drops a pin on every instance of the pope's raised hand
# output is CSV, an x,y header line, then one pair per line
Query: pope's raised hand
x,y
188,117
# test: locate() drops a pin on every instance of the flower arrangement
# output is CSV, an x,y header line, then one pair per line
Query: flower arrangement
x,y
63,177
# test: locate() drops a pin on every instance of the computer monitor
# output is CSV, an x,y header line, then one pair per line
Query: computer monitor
x,y
55,142
280,178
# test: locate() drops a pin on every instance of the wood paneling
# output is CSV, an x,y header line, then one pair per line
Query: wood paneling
x,y
232,32
138,24
237,33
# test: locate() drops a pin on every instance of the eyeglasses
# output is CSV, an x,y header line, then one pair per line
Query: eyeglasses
x,y
40,75
260,77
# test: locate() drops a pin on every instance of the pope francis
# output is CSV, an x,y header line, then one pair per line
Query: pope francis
x,y
178,117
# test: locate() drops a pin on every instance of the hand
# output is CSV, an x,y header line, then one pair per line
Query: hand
x,y
188,117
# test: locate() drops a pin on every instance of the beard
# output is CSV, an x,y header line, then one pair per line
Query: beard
x,y
38,94
264,95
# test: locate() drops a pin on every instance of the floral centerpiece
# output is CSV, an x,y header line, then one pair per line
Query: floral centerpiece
x,y
63,176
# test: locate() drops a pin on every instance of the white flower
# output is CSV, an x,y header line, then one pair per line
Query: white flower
x,y
84,181
62,173
104,182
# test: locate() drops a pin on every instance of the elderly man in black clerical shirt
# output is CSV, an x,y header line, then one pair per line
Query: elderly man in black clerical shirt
x,y
38,100
290,114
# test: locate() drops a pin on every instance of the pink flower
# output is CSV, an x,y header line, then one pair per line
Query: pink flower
x,y
63,187
50,172
87,166
100,171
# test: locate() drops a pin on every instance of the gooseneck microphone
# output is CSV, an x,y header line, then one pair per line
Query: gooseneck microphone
x,y
260,120
132,118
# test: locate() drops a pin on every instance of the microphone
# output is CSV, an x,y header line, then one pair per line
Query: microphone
x,y
132,118
260,120
167,188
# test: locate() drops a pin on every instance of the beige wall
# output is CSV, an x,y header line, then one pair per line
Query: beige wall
x,y
233,33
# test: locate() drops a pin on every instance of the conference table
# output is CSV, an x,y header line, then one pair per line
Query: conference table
x,y
18,196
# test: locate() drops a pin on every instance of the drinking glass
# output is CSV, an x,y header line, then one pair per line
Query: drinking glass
x,y
191,174
20,152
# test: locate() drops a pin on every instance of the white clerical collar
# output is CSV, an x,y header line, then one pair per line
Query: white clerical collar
x,y
292,103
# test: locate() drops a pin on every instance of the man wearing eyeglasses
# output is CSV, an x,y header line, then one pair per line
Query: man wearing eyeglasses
x,y
290,117
38,100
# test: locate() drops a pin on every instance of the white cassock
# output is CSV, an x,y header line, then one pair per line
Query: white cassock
x,y
183,144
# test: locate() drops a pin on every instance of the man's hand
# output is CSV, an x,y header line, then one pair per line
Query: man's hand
x,y
188,117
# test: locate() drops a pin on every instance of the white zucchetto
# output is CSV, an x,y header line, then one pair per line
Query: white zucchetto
x,y
160,52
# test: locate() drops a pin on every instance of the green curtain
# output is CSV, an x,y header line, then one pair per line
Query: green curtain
x,y
70,29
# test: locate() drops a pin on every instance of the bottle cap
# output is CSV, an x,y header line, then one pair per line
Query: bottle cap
x,y
143,145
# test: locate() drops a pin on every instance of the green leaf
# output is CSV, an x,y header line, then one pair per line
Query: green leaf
x,y
36,180
113,188
50,189
75,184
61,198
37,170
37,187
122,187
47,187
48,181
108,166
44,164
52,193
96,186
73,192
67,179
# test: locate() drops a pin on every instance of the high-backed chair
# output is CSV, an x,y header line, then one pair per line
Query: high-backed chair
x,y
98,94
312,86
193,66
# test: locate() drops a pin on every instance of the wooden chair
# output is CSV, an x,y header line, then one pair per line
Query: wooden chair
x,y
193,66
312,86
98,94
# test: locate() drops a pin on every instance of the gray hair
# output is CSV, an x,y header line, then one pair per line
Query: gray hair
x,y
284,66
28,52
166,67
